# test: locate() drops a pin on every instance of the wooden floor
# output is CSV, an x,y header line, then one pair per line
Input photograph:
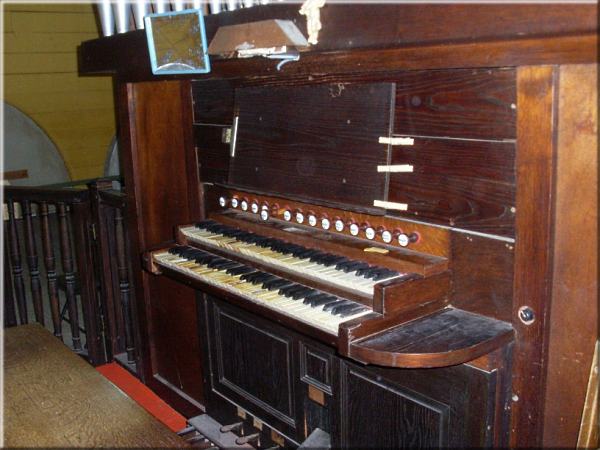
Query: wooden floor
x,y
52,398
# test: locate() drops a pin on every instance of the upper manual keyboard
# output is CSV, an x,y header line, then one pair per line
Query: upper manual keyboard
x,y
335,269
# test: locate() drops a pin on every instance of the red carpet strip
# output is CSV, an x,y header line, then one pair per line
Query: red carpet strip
x,y
142,395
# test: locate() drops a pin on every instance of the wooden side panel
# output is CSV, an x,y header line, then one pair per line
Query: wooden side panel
x,y
482,275
461,183
574,311
161,193
320,142
476,104
535,137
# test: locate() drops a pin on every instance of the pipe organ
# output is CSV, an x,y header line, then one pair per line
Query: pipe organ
x,y
390,242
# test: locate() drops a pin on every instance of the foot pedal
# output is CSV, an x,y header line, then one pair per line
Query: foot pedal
x,y
211,430
318,439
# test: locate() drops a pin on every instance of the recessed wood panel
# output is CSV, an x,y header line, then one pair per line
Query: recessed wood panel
x,y
255,364
213,101
318,142
174,320
213,154
461,183
456,103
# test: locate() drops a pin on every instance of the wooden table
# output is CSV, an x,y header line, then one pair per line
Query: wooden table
x,y
52,398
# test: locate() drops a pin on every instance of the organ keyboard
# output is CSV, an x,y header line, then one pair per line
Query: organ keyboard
x,y
314,307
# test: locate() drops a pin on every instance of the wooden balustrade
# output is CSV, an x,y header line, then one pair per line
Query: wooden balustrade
x,y
66,253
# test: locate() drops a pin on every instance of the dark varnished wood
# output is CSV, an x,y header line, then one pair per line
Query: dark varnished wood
x,y
462,183
288,140
32,263
574,313
156,133
213,102
400,295
50,265
213,154
82,236
68,266
15,263
416,408
535,135
459,24
55,399
445,338
475,104
482,275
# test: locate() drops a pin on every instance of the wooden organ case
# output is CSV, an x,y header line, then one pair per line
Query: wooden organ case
x,y
391,240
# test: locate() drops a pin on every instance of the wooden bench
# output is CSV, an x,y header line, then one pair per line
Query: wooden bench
x,y
53,398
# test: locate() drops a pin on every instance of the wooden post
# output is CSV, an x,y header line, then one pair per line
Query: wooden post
x,y
124,285
10,316
32,263
85,268
50,263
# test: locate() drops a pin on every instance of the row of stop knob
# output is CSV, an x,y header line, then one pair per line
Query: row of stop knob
x,y
264,209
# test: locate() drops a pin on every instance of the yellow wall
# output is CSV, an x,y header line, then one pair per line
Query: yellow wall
x,y
40,78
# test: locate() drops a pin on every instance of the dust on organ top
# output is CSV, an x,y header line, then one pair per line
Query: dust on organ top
x,y
329,209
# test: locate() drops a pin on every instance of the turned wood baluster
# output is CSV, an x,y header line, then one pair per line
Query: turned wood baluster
x,y
32,263
124,284
50,263
10,316
67,263
15,259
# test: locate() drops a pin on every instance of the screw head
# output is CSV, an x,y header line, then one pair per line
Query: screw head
x,y
526,315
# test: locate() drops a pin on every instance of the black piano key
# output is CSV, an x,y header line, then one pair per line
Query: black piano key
x,y
204,259
221,264
363,270
307,253
372,273
277,284
338,309
302,293
386,274
262,278
332,260
240,270
355,267
285,290
341,265
323,300
318,257
351,311
205,223
313,297
339,302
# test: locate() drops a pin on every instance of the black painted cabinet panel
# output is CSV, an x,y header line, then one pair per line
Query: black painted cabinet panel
x,y
253,365
416,408
296,385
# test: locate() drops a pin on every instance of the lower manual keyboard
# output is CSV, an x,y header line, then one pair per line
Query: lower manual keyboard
x,y
308,305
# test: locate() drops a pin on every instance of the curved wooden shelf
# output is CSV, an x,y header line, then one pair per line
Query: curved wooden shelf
x,y
445,338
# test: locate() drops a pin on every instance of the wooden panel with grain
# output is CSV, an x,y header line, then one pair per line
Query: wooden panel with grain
x,y
53,398
415,408
213,154
536,137
320,142
482,275
574,310
213,102
444,338
476,104
461,183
